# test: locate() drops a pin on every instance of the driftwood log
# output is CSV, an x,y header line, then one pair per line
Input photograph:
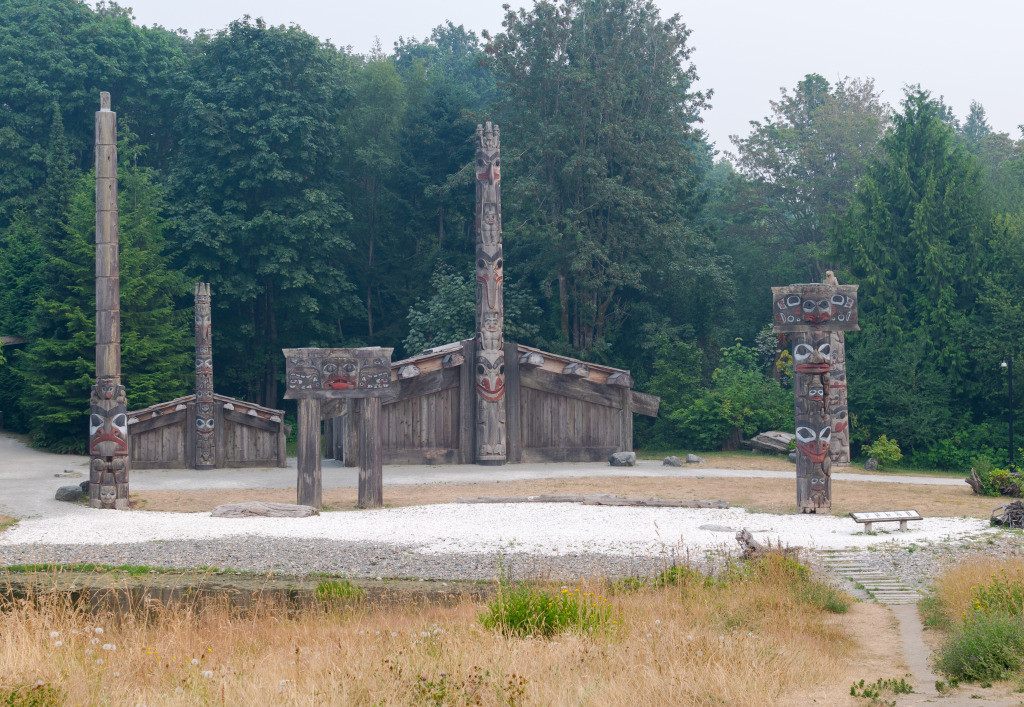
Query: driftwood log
x,y
601,500
250,509
1010,515
1012,485
750,547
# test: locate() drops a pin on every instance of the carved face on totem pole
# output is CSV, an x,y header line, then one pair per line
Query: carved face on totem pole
x,y
489,279
340,373
488,184
813,356
490,336
798,307
490,386
108,420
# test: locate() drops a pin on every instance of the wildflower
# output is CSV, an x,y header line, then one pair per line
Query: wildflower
x,y
99,631
88,630
194,661
99,661
54,634
58,644
88,651
95,641
208,674
109,647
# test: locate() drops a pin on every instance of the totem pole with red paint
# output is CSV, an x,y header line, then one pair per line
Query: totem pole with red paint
x,y
812,313
490,310
108,412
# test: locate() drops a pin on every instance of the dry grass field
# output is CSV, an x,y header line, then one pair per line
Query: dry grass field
x,y
751,643
767,495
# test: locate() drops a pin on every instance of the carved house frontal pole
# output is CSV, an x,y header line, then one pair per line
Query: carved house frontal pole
x,y
108,419
205,432
490,312
812,313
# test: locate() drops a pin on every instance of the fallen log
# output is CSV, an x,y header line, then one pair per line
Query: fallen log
x,y
601,500
265,509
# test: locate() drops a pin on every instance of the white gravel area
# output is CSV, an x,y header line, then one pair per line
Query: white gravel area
x,y
538,529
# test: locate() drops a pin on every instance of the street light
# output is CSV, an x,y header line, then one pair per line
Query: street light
x,y
1008,365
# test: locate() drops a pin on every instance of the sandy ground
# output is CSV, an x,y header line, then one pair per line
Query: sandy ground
x,y
764,495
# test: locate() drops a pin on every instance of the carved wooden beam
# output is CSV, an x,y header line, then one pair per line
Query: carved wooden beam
x,y
581,370
531,358
407,371
621,378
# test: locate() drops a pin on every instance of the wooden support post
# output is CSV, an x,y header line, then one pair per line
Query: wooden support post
x,y
310,489
190,439
513,415
467,404
626,422
208,431
282,446
350,434
371,454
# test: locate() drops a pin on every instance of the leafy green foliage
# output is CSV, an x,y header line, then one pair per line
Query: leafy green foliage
x,y
874,691
1004,594
338,590
521,609
741,397
987,646
885,450
39,695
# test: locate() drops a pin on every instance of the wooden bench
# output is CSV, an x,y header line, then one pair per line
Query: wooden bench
x,y
869,518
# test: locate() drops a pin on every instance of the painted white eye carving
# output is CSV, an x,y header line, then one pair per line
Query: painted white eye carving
x,y
793,300
808,305
823,305
838,300
805,434
120,420
826,434
802,352
825,350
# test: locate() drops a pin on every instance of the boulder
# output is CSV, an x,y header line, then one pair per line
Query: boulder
x,y
694,459
774,441
871,464
251,509
792,457
622,459
85,486
672,461
68,493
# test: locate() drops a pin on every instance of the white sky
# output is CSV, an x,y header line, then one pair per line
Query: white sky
x,y
745,49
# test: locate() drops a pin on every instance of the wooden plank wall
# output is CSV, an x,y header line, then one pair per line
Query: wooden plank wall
x,y
165,442
422,429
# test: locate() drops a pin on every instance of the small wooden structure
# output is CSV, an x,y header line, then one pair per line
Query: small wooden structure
x,y
811,312
163,436
206,430
489,401
317,377
551,413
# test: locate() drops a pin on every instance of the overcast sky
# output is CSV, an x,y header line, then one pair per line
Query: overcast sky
x,y
744,49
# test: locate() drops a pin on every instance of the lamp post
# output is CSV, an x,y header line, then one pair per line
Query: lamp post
x,y
1008,365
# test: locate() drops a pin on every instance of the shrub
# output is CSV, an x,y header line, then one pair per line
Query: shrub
x,y
40,695
885,450
1005,594
789,573
987,646
681,575
524,610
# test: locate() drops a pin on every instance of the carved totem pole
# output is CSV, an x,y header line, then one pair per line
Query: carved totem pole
x,y
490,312
839,448
108,419
206,447
812,312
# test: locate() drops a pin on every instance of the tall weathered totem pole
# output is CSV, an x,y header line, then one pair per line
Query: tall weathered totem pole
x,y
490,312
839,448
206,447
108,419
811,313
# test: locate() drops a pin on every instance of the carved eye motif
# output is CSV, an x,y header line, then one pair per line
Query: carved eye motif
x,y
825,434
805,435
793,300
802,352
825,351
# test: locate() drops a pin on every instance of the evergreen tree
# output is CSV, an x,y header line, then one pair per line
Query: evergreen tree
x,y
914,241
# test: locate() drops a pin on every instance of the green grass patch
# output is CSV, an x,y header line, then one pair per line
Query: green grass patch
x,y
986,647
131,570
7,522
338,590
41,695
874,690
522,609
933,613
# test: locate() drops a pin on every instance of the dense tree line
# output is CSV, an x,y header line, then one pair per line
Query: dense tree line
x,y
327,196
